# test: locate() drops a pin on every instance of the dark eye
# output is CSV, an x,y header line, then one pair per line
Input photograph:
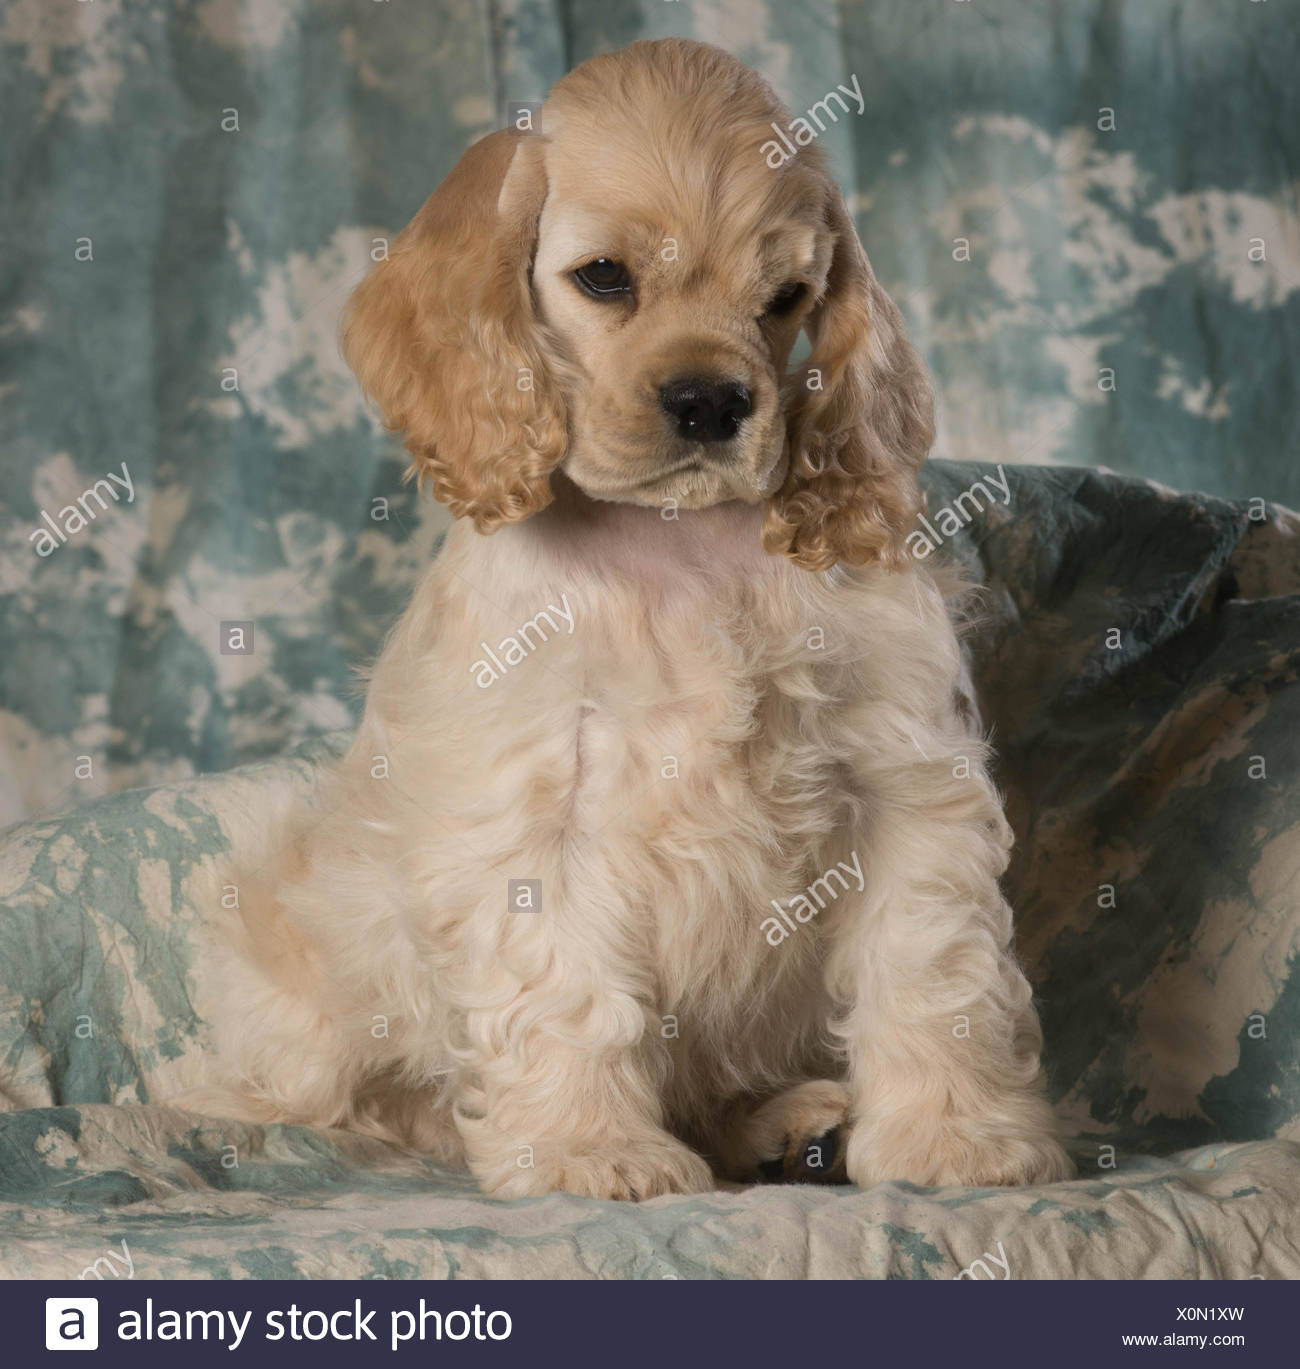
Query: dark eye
x,y
603,278
786,300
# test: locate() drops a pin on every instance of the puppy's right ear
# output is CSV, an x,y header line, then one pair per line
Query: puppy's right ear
x,y
443,336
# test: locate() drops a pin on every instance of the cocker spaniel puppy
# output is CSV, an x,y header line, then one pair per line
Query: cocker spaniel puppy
x,y
665,848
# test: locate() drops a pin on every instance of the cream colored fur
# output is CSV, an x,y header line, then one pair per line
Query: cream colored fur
x,y
715,729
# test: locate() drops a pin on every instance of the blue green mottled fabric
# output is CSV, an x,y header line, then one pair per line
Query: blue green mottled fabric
x,y
1087,212
1137,656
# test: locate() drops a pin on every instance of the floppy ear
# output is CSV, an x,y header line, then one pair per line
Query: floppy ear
x,y
443,337
860,419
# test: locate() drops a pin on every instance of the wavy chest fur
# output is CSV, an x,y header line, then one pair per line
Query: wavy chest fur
x,y
658,758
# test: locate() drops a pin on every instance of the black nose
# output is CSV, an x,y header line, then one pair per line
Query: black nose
x,y
706,410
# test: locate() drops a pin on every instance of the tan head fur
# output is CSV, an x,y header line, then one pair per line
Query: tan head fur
x,y
484,342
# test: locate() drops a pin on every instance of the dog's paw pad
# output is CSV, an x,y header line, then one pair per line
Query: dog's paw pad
x,y
819,1160
797,1137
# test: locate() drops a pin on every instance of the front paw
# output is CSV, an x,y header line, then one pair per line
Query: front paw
x,y
797,1137
630,1170
957,1152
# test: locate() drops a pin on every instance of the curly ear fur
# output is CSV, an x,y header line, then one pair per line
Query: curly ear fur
x,y
443,337
861,419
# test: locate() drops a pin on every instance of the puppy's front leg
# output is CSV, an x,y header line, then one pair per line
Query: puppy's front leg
x,y
943,1040
564,1093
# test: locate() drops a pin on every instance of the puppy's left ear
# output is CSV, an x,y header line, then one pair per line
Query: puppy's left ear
x,y
860,419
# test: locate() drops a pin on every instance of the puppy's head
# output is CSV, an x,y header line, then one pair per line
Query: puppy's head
x,y
619,296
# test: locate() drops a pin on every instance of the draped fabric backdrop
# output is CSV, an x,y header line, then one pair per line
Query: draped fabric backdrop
x,y
1087,210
